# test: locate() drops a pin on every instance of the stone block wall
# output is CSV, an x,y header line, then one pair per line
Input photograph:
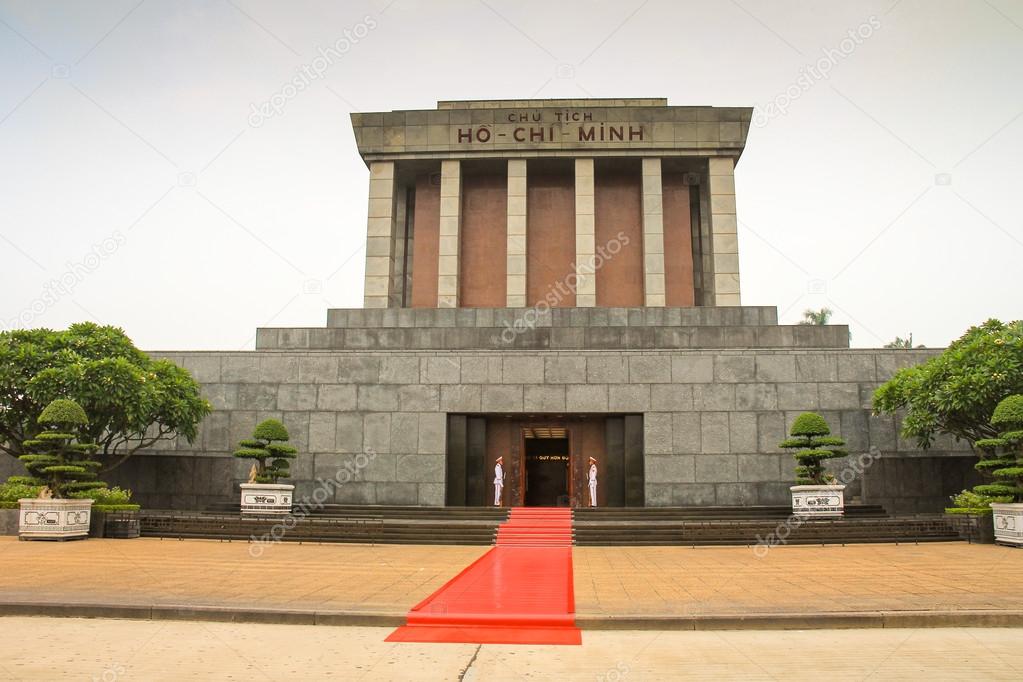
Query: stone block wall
x,y
712,420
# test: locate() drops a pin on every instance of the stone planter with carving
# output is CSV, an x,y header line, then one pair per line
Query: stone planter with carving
x,y
266,498
54,519
1008,522
818,501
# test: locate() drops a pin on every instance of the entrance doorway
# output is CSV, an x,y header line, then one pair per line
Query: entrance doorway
x,y
545,459
547,466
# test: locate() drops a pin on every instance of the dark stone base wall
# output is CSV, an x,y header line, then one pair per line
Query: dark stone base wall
x,y
712,420
914,485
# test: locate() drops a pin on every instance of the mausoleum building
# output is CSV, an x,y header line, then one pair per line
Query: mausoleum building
x,y
549,281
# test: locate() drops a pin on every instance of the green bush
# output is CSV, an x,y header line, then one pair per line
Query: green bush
x,y
14,490
107,499
57,458
812,440
268,442
972,502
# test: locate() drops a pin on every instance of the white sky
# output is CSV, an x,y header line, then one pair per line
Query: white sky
x,y
889,191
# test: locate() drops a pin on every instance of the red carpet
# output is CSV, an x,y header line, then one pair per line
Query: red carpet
x,y
520,592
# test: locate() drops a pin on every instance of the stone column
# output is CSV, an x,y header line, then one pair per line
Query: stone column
x,y
379,235
585,235
724,232
653,234
516,273
450,218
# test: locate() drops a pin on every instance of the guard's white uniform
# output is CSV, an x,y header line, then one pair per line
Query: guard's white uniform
x,y
593,485
498,483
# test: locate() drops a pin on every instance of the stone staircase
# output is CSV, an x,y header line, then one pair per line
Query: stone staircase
x,y
752,525
601,527
335,523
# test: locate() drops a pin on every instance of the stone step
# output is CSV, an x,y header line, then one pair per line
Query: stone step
x,y
554,338
375,318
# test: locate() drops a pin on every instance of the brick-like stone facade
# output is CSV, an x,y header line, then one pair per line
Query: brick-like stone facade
x,y
617,149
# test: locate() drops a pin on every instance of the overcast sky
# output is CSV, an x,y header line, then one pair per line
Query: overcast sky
x,y
137,188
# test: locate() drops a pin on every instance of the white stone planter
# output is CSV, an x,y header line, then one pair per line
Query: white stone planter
x,y
54,519
266,498
818,501
1008,523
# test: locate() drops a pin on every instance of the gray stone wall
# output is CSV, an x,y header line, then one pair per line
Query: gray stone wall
x,y
712,419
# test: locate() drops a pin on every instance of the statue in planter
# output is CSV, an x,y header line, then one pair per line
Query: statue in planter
x,y
271,452
59,462
816,494
1002,458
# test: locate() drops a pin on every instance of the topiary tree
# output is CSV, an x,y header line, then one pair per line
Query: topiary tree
x,y
811,438
1002,456
57,459
268,442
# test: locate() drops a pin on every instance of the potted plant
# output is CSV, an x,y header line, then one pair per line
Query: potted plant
x,y
271,453
61,465
114,515
970,514
816,494
1003,458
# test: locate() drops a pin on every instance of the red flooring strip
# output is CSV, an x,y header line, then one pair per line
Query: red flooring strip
x,y
520,592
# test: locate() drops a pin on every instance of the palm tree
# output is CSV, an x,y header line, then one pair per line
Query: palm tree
x,y
900,342
817,317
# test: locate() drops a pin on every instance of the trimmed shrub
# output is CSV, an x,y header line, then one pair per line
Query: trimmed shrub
x,y
1001,461
812,440
1002,457
269,448
57,458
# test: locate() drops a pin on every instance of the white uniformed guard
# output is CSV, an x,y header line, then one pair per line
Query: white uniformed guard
x,y
498,481
593,482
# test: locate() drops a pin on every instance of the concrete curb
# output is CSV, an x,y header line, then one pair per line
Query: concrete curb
x,y
219,614
804,621
792,621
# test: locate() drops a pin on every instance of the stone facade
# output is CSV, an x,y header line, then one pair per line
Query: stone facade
x,y
712,418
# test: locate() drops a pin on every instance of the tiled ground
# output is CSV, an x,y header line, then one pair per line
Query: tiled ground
x,y
734,580
366,578
611,581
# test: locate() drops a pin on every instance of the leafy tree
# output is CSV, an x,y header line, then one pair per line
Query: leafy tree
x,y
812,440
817,317
956,392
268,442
900,342
57,456
133,401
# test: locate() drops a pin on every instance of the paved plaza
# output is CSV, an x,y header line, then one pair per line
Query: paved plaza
x,y
609,582
124,650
